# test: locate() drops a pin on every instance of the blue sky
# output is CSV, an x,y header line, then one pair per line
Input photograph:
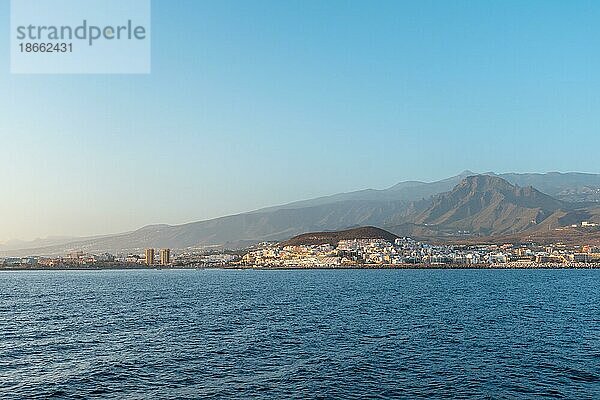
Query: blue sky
x,y
256,103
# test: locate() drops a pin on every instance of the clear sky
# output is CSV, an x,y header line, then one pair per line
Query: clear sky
x,y
256,103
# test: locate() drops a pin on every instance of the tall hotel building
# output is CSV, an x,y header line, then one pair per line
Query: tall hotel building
x,y
165,257
149,256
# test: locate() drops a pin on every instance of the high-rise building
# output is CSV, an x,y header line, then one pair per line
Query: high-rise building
x,y
149,256
165,256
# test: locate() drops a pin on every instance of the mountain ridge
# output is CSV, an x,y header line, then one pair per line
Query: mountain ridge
x,y
401,206
485,205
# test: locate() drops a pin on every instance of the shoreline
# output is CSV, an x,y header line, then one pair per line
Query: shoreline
x,y
297,268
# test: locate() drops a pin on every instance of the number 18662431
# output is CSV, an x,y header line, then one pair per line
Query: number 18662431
x,y
46,47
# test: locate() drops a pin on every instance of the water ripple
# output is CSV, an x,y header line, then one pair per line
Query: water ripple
x,y
300,334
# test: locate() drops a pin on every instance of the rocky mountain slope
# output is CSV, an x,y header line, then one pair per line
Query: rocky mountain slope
x,y
485,205
488,205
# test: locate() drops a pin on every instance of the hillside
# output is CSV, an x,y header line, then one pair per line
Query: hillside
x,y
333,238
571,186
486,205
406,192
243,229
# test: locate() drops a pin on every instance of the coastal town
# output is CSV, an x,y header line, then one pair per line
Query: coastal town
x,y
402,252
406,252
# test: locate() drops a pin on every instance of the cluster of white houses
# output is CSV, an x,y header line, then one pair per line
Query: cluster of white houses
x,y
406,251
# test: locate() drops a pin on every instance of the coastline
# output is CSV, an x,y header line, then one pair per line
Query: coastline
x,y
547,266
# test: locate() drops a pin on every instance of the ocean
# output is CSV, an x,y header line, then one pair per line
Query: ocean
x,y
351,334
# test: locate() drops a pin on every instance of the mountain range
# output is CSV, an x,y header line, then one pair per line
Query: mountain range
x,y
466,205
487,205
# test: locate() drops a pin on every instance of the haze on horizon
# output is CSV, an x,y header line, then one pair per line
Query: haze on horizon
x,y
257,104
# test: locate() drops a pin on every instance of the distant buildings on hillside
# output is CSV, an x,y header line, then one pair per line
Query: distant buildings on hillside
x,y
406,251
355,253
